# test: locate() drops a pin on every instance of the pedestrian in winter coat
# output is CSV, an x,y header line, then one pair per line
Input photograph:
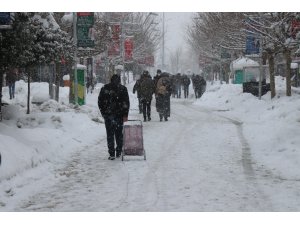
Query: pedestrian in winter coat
x,y
147,89
136,88
178,82
173,85
113,102
199,86
186,83
11,78
157,76
163,92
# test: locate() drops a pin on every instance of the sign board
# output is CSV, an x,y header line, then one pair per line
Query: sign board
x,y
85,30
5,20
252,44
252,37
149,60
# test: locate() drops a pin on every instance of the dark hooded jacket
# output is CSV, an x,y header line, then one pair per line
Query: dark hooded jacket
x,y
113,99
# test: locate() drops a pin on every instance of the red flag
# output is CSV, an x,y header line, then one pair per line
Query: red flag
x,y
128,47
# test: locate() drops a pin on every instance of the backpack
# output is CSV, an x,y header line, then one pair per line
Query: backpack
x,y
162,86
161,90
146,88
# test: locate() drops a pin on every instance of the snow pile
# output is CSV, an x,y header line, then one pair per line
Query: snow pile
x,y
49,134
271,126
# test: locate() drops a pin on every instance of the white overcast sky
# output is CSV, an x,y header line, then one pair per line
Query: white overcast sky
x,y
175,25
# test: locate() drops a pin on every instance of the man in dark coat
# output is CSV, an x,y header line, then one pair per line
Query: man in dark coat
x,y
136,88
199,86
147,89
178,82
11,79
157,76
113,102
186,83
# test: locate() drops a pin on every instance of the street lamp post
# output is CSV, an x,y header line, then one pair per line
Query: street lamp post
x,y
75,86
163,43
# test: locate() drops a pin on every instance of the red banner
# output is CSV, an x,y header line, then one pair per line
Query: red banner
x,y
295,28
84,14
116,29
149,60
128,47
114,45
114,49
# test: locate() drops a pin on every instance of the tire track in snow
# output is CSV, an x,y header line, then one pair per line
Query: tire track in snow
x,y
247,163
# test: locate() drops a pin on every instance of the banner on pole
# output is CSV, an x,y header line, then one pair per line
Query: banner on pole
x,y
5,20
252,44
128,47
114,45
149,60
85,30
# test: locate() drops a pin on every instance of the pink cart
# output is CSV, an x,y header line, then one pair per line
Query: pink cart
x,y
133,139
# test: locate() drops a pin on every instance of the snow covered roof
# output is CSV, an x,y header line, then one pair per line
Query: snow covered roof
x,y
80,66
66,77
242,62
119,67
294,65
67,18
48,21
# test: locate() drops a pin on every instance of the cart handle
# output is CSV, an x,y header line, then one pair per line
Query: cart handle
x,y
134,121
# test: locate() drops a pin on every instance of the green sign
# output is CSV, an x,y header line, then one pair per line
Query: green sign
x,y
85,22
81,89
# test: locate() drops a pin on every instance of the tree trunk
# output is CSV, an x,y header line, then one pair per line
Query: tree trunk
x,y
28,91
1,84
51,77
71,73
57,80
272,74
288,60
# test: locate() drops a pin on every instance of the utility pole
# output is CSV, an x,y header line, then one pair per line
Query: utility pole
x,y
75,87
260,68
163,44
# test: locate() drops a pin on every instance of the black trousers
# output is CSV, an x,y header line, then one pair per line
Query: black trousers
x,y
140,105
146,108
114,132
186,91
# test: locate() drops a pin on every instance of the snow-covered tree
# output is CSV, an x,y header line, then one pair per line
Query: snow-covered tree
x,y
212,32
279,35
35,38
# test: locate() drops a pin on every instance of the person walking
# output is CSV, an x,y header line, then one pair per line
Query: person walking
x,y
199,85
147,89
186,83
11,79
163,92
136,88
178,82
113,102
157,76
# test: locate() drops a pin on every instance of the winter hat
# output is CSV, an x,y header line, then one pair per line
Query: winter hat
x,y
115,79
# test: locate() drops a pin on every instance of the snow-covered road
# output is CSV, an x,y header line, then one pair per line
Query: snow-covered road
x,y
197,161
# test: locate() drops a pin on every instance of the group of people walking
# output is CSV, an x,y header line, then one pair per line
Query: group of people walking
x,y
113,101
161,87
